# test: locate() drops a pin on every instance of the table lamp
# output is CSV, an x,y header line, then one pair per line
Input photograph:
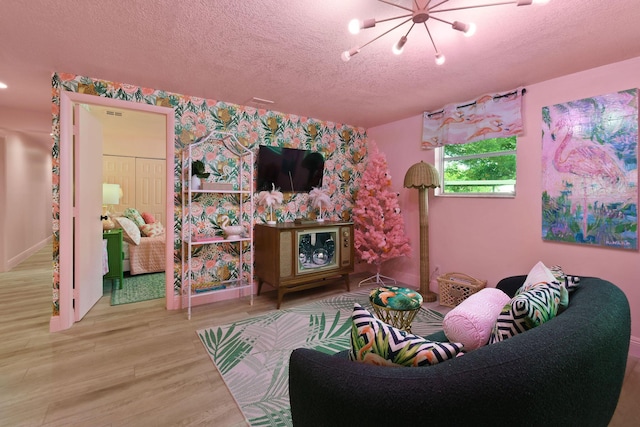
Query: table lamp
x,y
110,197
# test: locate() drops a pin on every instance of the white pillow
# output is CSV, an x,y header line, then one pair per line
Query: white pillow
x,y
471,322
130,231
538,274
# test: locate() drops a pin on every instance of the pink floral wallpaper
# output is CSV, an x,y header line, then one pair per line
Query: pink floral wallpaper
x,y
344,148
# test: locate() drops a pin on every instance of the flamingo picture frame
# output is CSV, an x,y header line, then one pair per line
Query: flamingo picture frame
x,y
590,171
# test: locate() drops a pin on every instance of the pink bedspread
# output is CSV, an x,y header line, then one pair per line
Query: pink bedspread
x,y
148,256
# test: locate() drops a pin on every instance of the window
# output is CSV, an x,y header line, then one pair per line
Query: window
x,y
482,168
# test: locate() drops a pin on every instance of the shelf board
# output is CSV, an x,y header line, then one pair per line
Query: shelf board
x,y
186,190
217,240
226,285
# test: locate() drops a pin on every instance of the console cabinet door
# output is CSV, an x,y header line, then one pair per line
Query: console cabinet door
x,y
266,248
287,254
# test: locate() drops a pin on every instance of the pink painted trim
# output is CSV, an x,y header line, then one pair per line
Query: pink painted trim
x,y
55,324
65,291
634,347
170,302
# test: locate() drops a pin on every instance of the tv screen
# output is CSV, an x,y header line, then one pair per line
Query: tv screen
x,y
289,169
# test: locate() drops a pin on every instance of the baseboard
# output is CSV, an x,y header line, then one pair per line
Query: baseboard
x,y
634,347
55,325
24,255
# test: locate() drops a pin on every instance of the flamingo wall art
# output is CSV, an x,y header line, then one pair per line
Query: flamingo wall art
x,y
590,171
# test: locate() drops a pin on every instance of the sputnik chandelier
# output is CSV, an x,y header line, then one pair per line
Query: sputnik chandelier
x,y
420,12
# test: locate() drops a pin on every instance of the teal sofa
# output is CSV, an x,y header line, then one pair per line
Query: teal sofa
x,y
566,372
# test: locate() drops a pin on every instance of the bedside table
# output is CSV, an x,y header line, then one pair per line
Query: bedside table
x,y
114,252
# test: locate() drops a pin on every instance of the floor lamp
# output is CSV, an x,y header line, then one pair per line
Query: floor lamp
x,y
423,176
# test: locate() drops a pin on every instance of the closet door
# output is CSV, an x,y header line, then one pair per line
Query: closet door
x,y
121,170
151,187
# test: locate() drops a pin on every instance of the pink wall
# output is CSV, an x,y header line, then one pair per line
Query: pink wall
x,y
494,238
25,196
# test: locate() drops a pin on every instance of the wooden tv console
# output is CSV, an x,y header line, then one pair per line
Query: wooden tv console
x,y
293,257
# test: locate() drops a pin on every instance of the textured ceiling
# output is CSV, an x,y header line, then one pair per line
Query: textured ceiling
x,y
289,51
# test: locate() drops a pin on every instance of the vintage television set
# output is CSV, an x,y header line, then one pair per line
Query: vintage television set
x,y
317,249
291,170
292,257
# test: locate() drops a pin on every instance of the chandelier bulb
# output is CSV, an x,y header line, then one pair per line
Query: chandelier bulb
x,y
399,47
459,26
347,54
439,58
528,2
471,30
467,29
354,26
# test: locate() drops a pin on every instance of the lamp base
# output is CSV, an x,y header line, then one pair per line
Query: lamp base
x,y
108,224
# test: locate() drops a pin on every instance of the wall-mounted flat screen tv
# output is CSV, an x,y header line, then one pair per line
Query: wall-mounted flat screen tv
x,y
289,169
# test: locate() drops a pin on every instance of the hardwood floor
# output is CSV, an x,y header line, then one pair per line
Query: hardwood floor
x,y
134,364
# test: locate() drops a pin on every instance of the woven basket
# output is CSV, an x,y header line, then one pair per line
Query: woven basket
x,y
456,287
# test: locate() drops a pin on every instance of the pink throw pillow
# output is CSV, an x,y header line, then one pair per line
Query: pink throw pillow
x,y
152,230
471,322
148,218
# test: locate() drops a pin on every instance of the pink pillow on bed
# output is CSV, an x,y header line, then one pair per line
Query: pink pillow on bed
x,y
152,230
148,218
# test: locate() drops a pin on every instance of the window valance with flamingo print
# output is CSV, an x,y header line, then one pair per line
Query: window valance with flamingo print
x,y
496,115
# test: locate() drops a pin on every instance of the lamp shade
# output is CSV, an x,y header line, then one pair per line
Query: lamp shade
x,y
422,175
110,194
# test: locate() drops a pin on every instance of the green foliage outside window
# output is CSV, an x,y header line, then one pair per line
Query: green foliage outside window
x,y
483,167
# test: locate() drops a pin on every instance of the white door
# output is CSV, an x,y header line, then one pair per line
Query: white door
x,y
88,247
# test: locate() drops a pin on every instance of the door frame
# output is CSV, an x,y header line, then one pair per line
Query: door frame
x,y
67,99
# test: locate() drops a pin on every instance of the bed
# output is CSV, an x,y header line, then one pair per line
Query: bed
x,y
143,246
146,257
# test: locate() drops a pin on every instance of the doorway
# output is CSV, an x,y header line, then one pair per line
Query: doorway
x,y
134,159
69,214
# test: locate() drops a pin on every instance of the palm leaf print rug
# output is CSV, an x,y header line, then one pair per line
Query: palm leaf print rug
x,y
252,355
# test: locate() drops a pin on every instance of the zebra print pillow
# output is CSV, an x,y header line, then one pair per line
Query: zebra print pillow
x,y
377,343
530,307
568,284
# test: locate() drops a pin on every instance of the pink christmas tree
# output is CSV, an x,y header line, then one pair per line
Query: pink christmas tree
x,y
378,223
